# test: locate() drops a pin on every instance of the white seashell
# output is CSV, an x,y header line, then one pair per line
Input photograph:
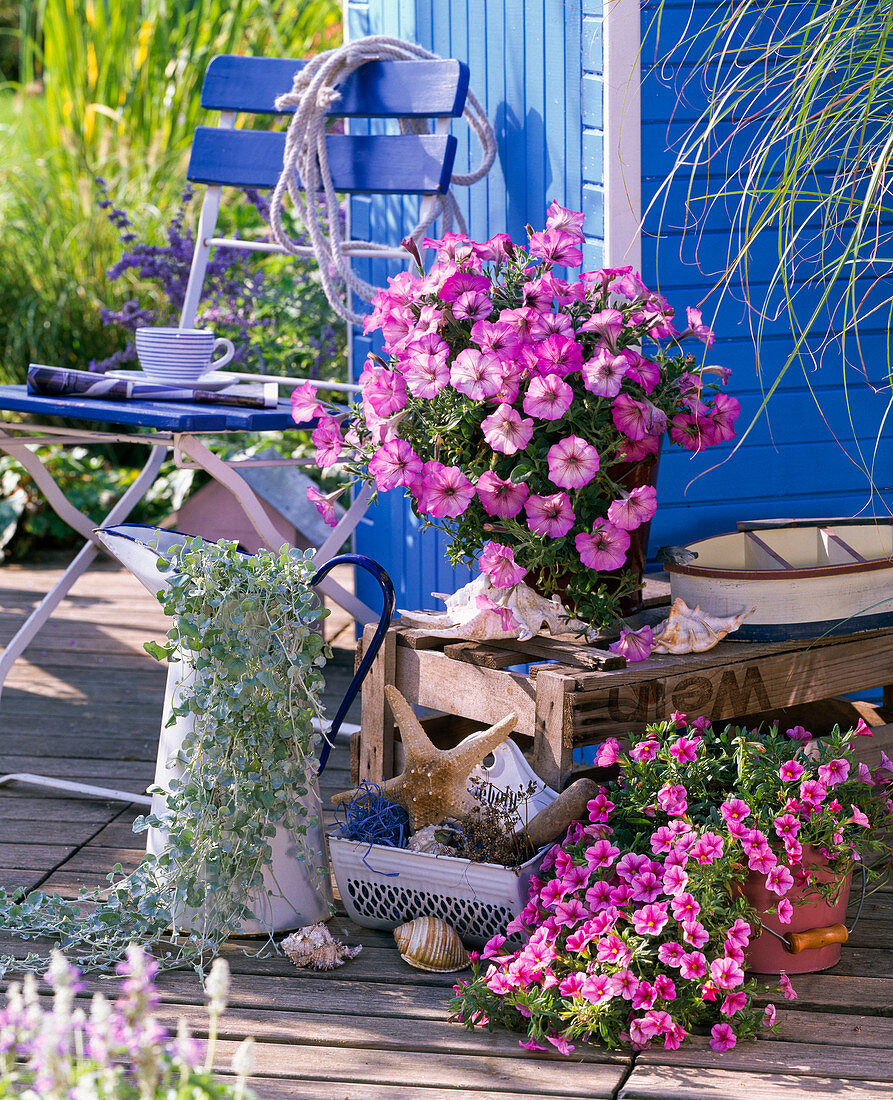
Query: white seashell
x,y
428,943
314,948
424,840
465,618
694,631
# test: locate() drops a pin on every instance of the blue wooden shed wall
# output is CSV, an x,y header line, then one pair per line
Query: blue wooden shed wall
x,y
537,66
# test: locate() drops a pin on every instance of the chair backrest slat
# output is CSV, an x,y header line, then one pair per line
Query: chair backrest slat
x,y
380,89
378,164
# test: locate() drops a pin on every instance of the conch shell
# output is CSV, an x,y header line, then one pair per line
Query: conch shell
x,y
428,943
478,612
314,948
694,631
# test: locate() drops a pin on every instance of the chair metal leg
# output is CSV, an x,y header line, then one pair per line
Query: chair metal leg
x,y
122,509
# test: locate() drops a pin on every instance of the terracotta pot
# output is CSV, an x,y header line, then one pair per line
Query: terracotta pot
x,y
766,954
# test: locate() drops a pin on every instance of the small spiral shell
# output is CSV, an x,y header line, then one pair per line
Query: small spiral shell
x,y
428,943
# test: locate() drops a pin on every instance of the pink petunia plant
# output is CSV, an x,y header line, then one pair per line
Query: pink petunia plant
x,y
514,401
638,925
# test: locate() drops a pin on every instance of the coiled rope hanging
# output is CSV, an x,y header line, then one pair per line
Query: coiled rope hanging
x,y
315,90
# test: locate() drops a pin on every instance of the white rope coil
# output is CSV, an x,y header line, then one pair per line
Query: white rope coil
x,y
315,90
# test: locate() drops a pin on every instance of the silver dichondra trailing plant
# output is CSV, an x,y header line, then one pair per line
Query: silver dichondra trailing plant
x,y
249,626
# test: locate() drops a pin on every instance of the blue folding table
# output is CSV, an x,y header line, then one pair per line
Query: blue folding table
x,y
163,427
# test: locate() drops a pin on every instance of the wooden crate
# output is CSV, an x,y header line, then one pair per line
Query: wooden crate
x,y
579,695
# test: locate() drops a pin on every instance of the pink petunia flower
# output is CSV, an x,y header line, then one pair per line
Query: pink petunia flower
x,y
635,419
634,645
556,246
476,374
558,354
550,516
323,505
497,337
505,431
472,305
634,509
384,390
567,221
547,397
605,547
798,733
573,462
722,1037
697,328
603,374
393,464
443,490
328,441
500,497
498,562
304,405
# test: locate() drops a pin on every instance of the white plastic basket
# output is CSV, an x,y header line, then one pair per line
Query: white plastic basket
x,y
382,887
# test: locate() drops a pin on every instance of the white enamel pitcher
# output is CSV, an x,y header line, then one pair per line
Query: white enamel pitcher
x,y
293,894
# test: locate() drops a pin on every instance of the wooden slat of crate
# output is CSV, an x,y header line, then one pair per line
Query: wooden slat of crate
x,y
730,683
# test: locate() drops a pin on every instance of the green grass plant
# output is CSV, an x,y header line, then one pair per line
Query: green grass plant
x,y
109,88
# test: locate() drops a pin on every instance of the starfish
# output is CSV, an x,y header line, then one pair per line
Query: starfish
x,y
433,785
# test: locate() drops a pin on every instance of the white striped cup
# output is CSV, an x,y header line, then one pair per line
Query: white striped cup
x,y
180,354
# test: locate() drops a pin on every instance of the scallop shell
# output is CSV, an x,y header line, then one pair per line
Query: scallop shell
x,y
428,943
694,631
314,948
425,840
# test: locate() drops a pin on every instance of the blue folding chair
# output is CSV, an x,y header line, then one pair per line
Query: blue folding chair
x,y
361,164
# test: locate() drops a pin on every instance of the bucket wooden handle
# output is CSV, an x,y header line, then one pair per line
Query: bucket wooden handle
x,y
817,937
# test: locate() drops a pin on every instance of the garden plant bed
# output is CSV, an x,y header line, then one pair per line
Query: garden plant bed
x,y
578,694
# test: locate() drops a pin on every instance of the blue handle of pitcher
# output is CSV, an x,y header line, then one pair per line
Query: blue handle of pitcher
x,y
387,614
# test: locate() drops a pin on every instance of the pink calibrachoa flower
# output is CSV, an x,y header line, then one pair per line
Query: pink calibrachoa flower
x,y
675,880
498,562
769,1016
551,516
734,1002
634,645
859,818
505,431
785,911
812,793
726,973
798,733
671,799
571,986
644,751
607,753
722,1037
790,994
834,772
547,397
734,809
598,988
601,853
693,966
501,497
684,750
650,919
863,729
636,508
604,548
790,771
779,880
573,462
671,953
393,464
695,933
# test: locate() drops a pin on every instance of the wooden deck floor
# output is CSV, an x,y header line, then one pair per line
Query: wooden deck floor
x,y
85,704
